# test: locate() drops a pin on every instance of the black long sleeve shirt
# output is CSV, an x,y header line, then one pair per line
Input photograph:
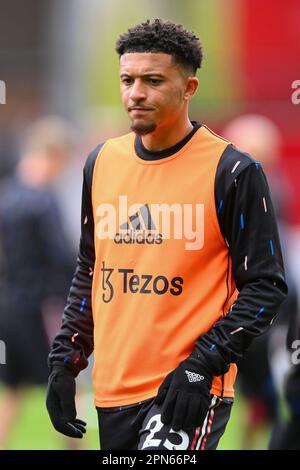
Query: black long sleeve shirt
x,y
247,222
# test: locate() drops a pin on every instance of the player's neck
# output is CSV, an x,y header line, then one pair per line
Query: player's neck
x,y
163,138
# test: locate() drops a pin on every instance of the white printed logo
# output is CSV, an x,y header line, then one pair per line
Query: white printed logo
x,y
151,223
193,377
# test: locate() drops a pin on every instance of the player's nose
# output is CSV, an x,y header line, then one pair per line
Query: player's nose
x,y
138,91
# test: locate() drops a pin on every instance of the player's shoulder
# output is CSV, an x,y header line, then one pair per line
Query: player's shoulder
x,y
119,141
93,154
110,144
232,164
91,160
234,160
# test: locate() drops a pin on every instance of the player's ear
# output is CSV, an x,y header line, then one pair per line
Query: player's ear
x,y
191,87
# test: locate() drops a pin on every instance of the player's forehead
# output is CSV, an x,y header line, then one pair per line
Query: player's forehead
x,y
140,63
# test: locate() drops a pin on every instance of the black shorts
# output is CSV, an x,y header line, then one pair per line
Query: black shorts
x,y
139,427
26,348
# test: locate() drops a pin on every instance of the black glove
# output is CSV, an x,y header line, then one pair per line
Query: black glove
x,y
185,394
60,403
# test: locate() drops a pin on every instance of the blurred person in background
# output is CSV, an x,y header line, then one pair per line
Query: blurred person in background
x,y
36,264
286,433
167,321
262,369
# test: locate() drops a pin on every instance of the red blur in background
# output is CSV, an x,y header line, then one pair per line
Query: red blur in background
x,y
270,62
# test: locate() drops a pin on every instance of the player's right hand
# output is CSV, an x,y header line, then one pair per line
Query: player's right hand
x,y
60,403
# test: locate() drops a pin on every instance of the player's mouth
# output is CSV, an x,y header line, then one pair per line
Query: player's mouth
x,y
139,109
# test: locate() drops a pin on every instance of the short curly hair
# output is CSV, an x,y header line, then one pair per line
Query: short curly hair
x,y
163,36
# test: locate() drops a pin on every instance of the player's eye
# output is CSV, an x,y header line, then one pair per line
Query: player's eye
x,y
127,80
155,81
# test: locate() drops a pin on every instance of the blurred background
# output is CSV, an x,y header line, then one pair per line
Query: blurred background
x,y
58,63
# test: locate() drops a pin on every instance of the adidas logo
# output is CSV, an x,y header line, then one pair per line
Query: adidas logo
x,y
143,215
139,229
193,377
133,223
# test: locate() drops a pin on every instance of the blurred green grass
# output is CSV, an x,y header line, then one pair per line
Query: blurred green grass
x,y
33,429
233,438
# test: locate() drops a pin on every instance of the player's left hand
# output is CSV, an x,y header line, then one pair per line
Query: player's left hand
x,y
60,403
185,394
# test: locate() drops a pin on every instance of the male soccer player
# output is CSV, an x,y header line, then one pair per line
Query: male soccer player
x,y
179,266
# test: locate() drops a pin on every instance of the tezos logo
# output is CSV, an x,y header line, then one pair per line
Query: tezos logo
x,y
132,283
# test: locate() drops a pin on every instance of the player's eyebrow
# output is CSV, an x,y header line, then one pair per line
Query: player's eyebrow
x,y
147,74
153,74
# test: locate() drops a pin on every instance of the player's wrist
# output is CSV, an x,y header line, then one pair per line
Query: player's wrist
x,y
199,366
61,369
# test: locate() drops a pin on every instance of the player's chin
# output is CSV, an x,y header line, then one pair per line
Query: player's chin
x,y
142,127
